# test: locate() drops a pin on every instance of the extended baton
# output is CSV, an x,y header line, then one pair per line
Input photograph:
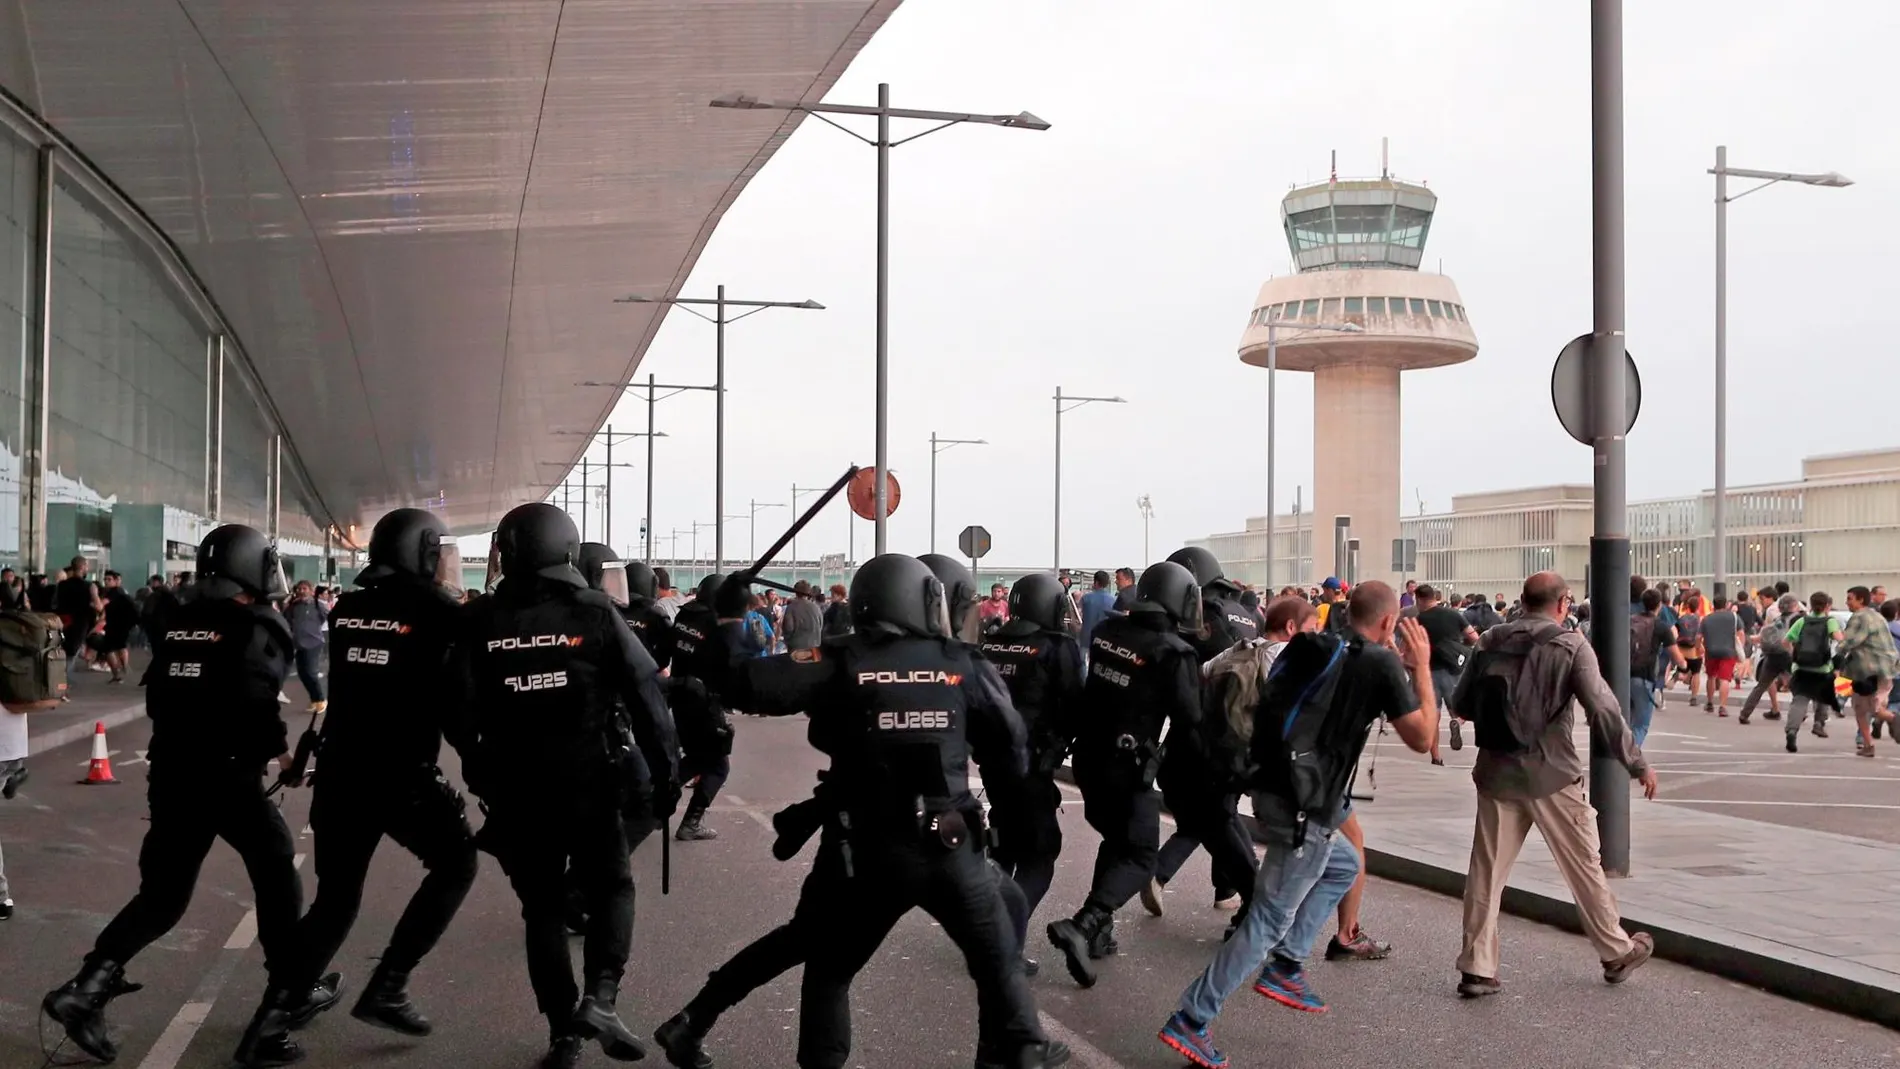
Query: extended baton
x,y
666,855
751,574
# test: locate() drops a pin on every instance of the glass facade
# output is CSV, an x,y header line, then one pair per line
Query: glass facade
x,y
1358,306
153,430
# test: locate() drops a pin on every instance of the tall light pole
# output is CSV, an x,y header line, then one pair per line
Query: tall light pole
x,y
1072,402
718,319
1273,376
938,445
884,114
798,492
752,545
1147,508
611,436
1722,172
653,397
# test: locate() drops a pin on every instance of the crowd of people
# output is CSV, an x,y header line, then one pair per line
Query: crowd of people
x,y
584,695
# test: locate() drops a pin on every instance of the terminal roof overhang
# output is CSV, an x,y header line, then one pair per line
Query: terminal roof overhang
x,y
415,215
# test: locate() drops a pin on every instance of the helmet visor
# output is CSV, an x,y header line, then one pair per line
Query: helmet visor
x,y
276,587
448,567
494,562
1190,614
613,581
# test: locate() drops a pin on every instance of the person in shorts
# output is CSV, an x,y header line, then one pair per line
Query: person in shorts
x,y
1721,643
1689,643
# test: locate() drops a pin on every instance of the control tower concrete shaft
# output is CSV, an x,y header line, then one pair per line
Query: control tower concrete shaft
x,y
1356,249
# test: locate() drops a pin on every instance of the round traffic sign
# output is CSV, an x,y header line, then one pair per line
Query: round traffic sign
x,y
1570,390
862,493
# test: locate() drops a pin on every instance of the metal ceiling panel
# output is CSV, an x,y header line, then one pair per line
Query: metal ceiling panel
x,y
415,216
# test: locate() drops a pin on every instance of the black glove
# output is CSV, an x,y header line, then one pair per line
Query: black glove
x,y
666,798
734,596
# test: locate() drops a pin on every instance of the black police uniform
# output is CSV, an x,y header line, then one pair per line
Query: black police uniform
x,y
900,717
546,662
212,696
1141,675
1193,779
393,698
697,655
1043,670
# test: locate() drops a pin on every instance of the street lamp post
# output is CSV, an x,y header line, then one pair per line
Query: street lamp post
x,y
718,319
1073,402
752,545
1147,508
884,113
938,445
654,397
611,436
798,492
1723,172
1273,375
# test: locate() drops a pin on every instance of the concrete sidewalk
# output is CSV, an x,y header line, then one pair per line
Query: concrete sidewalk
x,y
1805,914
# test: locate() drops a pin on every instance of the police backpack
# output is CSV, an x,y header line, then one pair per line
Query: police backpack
x,y
32,661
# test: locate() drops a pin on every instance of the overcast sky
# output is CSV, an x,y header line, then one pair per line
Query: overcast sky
x,y
1121,251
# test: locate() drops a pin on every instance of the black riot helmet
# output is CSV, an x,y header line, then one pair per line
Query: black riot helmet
x,y
235,559
414,543
641,581
538,539
959,591
708,589
1170,588
1204,566
899,595
1039,598
601,567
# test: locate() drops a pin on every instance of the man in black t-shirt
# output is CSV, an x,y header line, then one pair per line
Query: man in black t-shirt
x,y
1452,637
76,600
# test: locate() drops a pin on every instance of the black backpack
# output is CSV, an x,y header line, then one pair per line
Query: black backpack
x,y
1504,724
1302,747
32,661
1645,645
1812,650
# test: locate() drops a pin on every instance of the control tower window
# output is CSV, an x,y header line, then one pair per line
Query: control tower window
x,y
1418,306
1375,306
1310,310
1329,308
1438,310
1355,306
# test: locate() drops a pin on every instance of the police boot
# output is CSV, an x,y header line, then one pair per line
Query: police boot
x,y
1074,937
319,999
1034,1056
79,1006
680,1038
267,1041
385,1003
595,1018
693,827
1102,944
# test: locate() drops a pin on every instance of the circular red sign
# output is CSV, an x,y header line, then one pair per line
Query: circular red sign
x,y
862,490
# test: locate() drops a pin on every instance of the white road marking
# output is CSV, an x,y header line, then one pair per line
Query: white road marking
x,y
759,816
177,1036
1086,1053
1745,801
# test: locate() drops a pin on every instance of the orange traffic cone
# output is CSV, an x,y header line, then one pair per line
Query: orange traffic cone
x,y
100,771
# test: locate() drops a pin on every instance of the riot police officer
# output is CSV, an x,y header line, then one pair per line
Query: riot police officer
x,y
900,708
604,571
1042,666
704,725
650,623
392,700
1142,673
1195,772
546,662
212,696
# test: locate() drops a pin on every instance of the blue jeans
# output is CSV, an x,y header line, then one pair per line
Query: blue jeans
x,y
1642,707
1295,893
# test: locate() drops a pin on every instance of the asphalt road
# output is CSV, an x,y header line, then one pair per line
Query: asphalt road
x,y
71,852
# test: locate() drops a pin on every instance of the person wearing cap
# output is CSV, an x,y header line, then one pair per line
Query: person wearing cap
x,y
1332,596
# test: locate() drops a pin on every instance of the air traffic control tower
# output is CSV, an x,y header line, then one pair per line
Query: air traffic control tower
x,y
1357,245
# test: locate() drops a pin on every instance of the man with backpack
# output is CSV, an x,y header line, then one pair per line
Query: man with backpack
x,y
1867,660
1649,637
1777,657
1519,692
1811,682
1688,644
1311,726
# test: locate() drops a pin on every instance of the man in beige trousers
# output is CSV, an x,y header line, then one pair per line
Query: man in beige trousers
x,y
1521,689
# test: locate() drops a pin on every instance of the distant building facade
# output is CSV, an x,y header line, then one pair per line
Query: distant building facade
x,y
1836,527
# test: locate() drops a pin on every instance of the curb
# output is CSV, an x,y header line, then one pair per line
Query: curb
x,y
72,733
1677,940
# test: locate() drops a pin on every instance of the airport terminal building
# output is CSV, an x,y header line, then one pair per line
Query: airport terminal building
x,y
296,264
1835,527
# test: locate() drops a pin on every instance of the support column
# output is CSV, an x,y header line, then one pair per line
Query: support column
x,y
215,504
1356,458
39,374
